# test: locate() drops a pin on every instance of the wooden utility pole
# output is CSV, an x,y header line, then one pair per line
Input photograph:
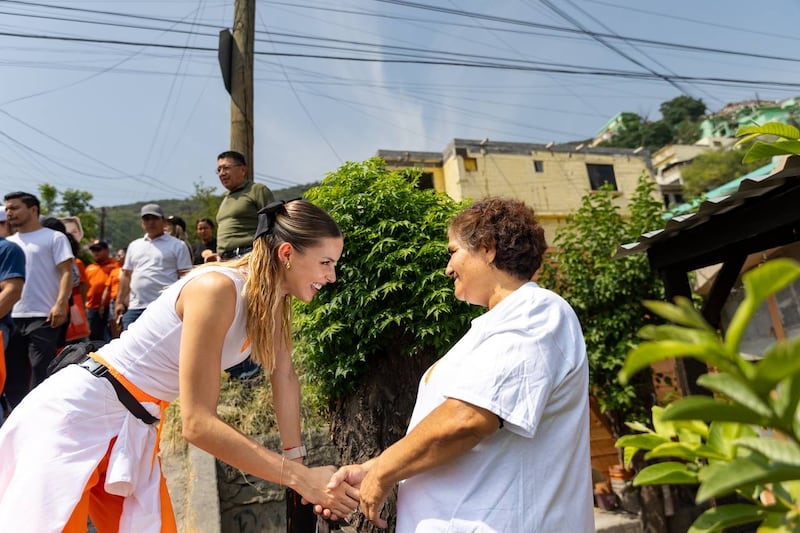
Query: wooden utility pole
x,y
102,224
241,89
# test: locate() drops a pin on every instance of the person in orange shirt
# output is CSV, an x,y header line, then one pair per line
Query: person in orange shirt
x,y
76,329
111,291
97,299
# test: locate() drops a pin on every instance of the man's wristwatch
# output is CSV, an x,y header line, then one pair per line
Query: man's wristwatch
x,y
295,453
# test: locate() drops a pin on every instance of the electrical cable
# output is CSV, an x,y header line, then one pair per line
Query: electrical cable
x,y
303,106
494,66
467,14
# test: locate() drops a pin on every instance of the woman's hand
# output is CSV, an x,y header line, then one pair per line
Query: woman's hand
x,y
371,491
341,499
349,474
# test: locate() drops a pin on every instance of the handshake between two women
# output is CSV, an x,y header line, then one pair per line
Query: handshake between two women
x,y
359,482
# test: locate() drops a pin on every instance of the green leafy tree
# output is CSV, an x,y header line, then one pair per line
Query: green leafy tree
x,y
679,124
682,116
204,203
710,170
686,132
606,292
365,341
207,200
74,202
295,191
634,132
77,203
682,108
48,199
744,441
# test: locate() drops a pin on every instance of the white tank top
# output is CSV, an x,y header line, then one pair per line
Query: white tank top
x,y
147,352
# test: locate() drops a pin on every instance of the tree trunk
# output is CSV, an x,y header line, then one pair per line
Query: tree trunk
x,y
653,515
376,415
653,519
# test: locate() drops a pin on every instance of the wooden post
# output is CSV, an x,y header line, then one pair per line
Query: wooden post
x,y
242,81
775,317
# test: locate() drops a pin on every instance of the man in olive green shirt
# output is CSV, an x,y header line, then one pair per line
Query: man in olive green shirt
x,y
237,218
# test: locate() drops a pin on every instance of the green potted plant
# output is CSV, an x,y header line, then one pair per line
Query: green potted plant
x,y
745,440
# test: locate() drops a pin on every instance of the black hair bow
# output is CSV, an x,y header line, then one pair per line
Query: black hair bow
x,y
267,216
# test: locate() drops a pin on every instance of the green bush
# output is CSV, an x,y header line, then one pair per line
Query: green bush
x,y
606,293
391,294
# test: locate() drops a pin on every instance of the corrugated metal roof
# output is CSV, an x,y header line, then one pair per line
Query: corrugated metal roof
x,y
725,189
749,188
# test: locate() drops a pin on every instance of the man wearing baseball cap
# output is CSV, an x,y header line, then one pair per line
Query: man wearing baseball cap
x,y
152,263
97,298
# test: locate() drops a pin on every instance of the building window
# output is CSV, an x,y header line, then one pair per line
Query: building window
x,y
470,163
425,180
600,174
538,165
672,199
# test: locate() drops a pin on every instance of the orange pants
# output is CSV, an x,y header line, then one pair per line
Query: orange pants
x,y
105,509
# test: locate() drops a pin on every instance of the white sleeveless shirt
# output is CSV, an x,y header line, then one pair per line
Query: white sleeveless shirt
x,y
147,352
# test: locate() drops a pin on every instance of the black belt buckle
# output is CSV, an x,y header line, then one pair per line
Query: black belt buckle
x,y
96,368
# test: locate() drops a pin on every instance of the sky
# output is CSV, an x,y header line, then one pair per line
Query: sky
x,y
124,99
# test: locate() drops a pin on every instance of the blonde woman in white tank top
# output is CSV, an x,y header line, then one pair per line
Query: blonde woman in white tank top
x,y
73,430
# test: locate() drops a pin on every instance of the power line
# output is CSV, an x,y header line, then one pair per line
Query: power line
x,y
283,182
672,16
82,172
77,82
102,12
563,14
564,86
303,106
525,23
587,71
166,108
458,12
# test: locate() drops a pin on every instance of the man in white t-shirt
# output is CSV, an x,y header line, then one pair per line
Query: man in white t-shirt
x,y
152,263
42,309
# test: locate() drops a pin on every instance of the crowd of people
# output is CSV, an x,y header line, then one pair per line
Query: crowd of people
x,y
49,298
498,440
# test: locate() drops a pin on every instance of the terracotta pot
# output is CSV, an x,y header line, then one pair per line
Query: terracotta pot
x,y
619,472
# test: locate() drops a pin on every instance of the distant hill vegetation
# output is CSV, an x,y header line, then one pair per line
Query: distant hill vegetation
x,y
120,224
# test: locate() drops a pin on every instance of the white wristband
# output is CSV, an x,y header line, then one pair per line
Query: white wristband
x,y
295,453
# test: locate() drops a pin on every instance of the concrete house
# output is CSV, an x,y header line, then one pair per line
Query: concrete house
x,y
727,120
550,177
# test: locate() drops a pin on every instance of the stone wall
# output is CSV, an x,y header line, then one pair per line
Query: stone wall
x,y
249,504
